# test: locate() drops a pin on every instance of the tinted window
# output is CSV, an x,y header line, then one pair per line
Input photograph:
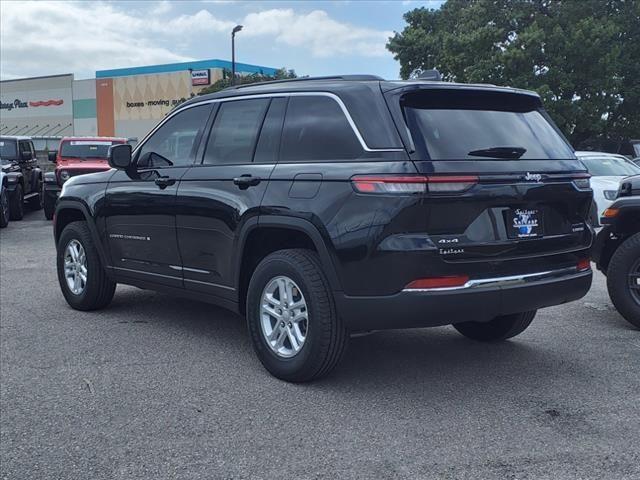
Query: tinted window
x,y
609,166
86,148
25,148
235,130
476,126
269,142
316,128
175,142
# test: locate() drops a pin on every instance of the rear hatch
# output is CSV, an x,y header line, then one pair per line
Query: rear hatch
x,y
503,183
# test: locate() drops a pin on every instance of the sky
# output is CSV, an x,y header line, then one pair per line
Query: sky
x,y
311,37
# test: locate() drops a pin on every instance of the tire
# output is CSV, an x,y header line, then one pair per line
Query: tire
x,y
49,208
326,336
5,210
16,203
500,328
99,289
624,262
35,203
594,219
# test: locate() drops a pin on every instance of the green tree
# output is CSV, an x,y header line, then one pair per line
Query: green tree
x,y
225,81
581,56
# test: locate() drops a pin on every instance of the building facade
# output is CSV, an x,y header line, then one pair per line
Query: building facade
x,y
125,102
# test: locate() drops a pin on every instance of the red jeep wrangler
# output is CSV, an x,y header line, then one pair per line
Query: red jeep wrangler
x,y
75,156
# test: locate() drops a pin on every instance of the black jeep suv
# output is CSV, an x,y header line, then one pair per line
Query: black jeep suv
x,y
320,207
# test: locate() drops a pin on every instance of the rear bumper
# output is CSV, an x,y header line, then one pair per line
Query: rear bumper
x,y
477,301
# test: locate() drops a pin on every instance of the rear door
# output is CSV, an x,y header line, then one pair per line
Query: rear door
x,y
503,183
218,196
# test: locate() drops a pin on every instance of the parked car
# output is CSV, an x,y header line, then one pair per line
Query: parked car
x,y
4,201
636,161
617,250
24,177
607,170
75,156
321,207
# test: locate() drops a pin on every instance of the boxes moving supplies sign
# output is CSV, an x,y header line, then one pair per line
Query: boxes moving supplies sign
x,y
200,77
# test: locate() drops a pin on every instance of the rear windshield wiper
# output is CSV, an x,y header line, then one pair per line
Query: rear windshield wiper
x,y
499,152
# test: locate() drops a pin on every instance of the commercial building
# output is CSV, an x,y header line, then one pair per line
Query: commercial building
x,y
124,102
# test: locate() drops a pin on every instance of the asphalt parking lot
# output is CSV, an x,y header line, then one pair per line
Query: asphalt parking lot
x,y
158,387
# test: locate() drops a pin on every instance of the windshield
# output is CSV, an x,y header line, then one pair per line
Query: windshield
x,y
609,167
8,150
86,148
477,125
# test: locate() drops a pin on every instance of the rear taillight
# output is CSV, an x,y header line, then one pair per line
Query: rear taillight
x,y
396,184
584,265
582,181
438,282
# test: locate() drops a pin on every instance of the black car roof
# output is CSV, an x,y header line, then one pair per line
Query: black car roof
x,y
337,84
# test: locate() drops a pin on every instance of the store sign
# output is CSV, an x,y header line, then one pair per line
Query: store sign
x,y
200,77
17,103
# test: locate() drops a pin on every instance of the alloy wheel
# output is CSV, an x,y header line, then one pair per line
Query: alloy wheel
x,y
284,316
75,267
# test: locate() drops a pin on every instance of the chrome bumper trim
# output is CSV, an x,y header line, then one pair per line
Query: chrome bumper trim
x,y
505,281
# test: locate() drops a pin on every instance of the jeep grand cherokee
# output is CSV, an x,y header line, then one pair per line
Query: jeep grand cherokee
x,y
320,207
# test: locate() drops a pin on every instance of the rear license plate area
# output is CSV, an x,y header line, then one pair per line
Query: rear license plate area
x,y
524,223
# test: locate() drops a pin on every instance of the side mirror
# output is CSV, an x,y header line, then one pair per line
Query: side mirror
x,y
52,156
119,156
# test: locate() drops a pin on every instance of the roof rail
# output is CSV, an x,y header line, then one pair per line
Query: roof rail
x,y
353,78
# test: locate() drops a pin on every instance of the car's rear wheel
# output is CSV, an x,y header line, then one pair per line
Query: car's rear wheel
x,y
35,203
623,279
4,208
292,319
81,275
16,203
500,328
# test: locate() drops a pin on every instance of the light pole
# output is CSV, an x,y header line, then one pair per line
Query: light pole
x,y
235,30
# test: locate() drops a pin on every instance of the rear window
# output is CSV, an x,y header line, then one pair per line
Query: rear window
x,y
471,125
86,148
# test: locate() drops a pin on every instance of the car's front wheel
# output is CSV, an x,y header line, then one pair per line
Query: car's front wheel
x,y
82,277
291,317
16,203
623,279
499,328
49,207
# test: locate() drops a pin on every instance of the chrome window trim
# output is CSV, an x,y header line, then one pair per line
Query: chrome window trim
x,y
333,96
507,281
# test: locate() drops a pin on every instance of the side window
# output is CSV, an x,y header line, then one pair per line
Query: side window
x,y
316,128
234,132
25,148
269,142
175,142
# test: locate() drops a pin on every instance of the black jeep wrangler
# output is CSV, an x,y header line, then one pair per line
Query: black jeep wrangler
x,y
320,207
617,250
23,175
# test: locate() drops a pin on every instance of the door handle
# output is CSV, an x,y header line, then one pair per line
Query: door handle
x,y
164,182
246,181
